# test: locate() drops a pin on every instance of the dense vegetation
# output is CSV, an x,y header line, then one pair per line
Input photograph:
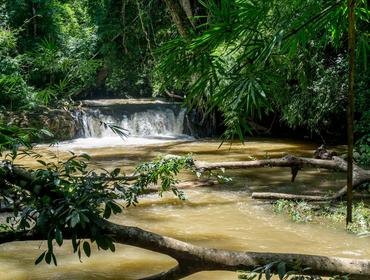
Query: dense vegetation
x,y
328,214
56,50
247,61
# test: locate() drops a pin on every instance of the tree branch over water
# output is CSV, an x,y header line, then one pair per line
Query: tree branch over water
x,y
296,163
192,259
72,220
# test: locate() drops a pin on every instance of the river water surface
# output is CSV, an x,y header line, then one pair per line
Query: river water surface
x,y
221,216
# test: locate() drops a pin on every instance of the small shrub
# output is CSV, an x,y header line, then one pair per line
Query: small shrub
x,y
302,212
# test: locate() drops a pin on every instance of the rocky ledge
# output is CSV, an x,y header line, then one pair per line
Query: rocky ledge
x,y
58,121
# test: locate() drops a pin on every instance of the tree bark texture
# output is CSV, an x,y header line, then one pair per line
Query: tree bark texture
x,y
192,259
179,17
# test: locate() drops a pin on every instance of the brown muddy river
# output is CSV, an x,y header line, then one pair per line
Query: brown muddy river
x,y
221,216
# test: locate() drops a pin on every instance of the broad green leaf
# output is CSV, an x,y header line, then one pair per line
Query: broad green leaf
x,y
75,219
58,236
40,258
87,249
281,269
48,257
107,211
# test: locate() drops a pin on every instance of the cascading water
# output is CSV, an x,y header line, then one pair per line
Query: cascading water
x,y
140,124
144,122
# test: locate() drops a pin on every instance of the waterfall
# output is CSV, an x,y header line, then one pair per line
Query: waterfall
x,y
138,119
140,124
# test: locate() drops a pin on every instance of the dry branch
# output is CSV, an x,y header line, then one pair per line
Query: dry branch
x,y
287,196
295,163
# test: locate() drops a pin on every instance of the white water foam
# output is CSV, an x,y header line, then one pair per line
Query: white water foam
x,y
81,144
152,122
153,125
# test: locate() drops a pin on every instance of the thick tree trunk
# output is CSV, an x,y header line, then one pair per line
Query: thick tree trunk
x,y
186,5
192,259
179,17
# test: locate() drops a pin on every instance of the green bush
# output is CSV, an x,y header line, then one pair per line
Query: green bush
x,y
306,212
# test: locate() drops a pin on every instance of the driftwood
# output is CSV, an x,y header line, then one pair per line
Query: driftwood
x,y
287,196
192,259
295,163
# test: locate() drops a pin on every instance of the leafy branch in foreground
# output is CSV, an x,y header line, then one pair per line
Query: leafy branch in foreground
x,y
85,224
161,171
68,200
280,269
13,137
248,58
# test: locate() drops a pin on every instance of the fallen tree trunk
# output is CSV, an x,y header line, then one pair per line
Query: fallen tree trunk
x,y
287,161
192,259
295,163
287,196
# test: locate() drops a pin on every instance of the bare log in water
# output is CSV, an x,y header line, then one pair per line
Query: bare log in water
x,y
295,163
192,259
288,196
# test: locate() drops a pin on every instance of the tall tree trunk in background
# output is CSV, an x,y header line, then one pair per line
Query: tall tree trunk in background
x,y
34,20
179,17
186,5
350,107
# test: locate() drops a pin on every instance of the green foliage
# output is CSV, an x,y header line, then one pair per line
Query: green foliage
x,y
14,90
362,150
320,103
306,212
60,50
362,124
66,198
361,217
12,138
46,50
163,171
249,58
217,174
69,64
300,212
127,33
280,269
